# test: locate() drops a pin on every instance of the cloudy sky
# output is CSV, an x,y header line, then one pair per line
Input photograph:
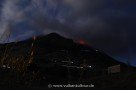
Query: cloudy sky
x,y
109,25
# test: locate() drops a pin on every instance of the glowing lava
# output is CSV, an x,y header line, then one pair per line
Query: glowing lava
x,y
34,38
82,42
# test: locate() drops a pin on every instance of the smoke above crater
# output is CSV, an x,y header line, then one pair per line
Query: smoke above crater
x,y
106,24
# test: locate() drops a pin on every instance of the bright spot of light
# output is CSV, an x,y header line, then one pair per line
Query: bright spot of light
x,y
8,67
4,66
90,66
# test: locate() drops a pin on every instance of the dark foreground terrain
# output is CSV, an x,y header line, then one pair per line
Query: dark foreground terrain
x,y
12,81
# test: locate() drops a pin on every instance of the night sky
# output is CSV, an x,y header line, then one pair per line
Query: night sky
x,y
109,25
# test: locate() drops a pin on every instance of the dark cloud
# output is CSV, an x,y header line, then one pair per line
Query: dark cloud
x,y
106,24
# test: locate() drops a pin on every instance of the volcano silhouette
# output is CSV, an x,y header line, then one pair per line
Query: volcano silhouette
x,y
54,43
57,60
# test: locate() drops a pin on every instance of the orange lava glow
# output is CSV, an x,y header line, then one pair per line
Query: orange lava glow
x,y
81,41
34,37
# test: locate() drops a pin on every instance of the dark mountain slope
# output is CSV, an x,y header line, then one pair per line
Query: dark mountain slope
x,y
55,46
57,60
55,43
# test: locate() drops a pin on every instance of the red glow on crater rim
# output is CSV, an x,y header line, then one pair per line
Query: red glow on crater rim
x,y
81,41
